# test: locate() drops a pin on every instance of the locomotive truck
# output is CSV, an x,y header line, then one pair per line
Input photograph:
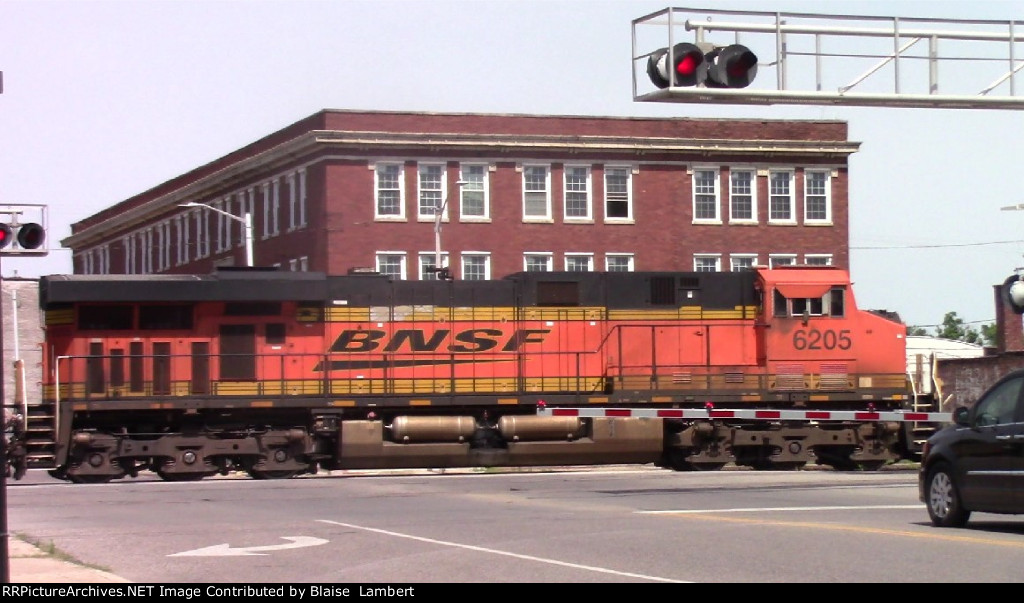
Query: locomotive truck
x,y
278,374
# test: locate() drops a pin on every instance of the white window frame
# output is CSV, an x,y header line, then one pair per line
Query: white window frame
x,y
608,196
790,196
825,259
588,259
422,213
827,194
398,216
401,266
586,194
547,256
716,192
474,186
781,259
469,255
733,195
426,260
698,264
738,261
527,169
608,257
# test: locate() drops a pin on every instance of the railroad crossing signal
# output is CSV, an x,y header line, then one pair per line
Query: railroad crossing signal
x,y
733,66
23,230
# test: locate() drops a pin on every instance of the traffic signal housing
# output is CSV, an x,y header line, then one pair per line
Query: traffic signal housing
x,y
22,238
689,65
1013,289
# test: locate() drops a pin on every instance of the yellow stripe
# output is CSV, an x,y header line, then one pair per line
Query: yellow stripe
x,y
261,404
420,402
508,400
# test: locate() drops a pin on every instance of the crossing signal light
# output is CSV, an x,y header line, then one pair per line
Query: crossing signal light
x,y
22,237
1013,288
31,236
733,66
683,68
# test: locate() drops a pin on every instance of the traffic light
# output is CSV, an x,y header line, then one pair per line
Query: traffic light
x,y
733,66
15,238
1013,288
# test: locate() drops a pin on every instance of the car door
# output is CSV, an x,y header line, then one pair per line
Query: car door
x,y
1015,441
991,451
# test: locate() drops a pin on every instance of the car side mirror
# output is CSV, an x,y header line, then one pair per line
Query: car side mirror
x,y
961,416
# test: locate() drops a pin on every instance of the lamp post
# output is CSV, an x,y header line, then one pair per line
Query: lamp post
x,y
246,221
442,273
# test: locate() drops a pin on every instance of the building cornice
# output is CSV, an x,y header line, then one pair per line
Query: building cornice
x,y
244,170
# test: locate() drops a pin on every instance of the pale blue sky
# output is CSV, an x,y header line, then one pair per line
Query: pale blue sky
x,y
105,99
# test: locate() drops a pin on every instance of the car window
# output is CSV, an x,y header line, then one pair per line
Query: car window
x,y
999,406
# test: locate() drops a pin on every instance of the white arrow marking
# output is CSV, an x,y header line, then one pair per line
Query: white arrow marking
x,y
225,550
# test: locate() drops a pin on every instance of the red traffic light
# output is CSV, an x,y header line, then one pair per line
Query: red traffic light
x,y
6,235
31,236
734,66
687,68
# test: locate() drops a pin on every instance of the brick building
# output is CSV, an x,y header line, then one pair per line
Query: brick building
x,y
359,189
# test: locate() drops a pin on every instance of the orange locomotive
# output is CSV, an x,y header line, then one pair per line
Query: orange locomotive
x,y
282,373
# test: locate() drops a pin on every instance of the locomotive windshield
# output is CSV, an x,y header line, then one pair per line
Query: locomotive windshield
x,y
796,302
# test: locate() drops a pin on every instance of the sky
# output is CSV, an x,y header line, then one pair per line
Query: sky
x,y
105,99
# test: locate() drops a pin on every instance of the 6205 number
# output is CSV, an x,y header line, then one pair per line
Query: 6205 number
x,y
813,339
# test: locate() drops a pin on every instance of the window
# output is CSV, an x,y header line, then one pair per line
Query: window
x,y
817,201
617,202
618,262
577,193
776,260
428,265
536,195
579,262
474,202
742,206
705,195
296,199
780,196
388,178
537,262
836,301
431,191
706,262
742,261
274,333
271,207
818,259
476,266
391,263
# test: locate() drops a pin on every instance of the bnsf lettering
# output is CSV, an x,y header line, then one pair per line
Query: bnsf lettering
x,y
416,340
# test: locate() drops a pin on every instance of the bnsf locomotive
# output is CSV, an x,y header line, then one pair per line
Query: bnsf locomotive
x,y
283,373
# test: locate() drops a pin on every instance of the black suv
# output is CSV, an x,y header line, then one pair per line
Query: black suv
x,y
977,464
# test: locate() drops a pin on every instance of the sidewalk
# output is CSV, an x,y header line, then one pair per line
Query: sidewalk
x,y
28,564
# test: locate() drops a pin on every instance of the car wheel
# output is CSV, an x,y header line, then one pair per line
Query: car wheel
x,y
944,506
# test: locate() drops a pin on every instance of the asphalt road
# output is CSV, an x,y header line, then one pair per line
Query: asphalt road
x,y
616,524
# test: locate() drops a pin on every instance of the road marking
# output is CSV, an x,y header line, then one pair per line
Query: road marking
x,y
225,550
469,547
934,534
758,509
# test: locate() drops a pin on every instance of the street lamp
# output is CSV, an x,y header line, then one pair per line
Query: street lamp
x,y
246,222
442,272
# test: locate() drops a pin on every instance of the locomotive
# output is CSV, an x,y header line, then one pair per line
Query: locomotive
x,y
278,374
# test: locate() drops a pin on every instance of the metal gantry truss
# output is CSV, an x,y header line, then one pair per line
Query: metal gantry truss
x,y
817,59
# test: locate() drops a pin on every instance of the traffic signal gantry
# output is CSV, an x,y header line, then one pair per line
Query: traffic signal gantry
x,y
23,230
697,55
